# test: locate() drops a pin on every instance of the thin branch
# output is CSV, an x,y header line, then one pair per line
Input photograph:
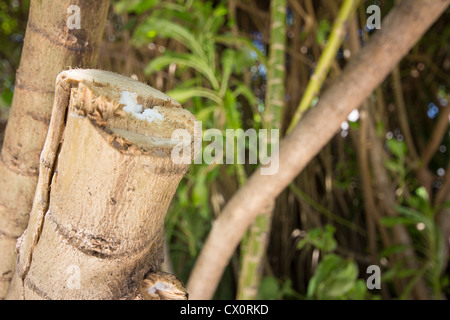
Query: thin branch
x,y
326,59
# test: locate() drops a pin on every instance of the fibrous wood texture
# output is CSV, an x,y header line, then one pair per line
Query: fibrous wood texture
x,y
105,182
49,47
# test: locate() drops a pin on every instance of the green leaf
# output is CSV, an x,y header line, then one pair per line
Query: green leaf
x,y
216,20
393,250
220,11
169,29
333,278
6,98
394,166
183,59
404,273
358,291
322,32
184,94
422,193
321,239
410,213
242,89
205,113
392,221
398,148
269,289
233,116
228,57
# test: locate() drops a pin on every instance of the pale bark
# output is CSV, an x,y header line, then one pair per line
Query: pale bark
x,y
112,179
49,48
401,29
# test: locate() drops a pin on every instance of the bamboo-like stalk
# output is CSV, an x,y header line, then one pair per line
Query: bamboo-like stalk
x,y
276,69
112,179
49,47
254,247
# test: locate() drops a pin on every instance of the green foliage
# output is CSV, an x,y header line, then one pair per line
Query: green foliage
x,y
198,31
396,163
418,214
13,17
271,288
335,277
323,31
321,239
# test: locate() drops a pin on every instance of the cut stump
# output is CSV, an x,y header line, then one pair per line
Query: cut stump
x,y
106,179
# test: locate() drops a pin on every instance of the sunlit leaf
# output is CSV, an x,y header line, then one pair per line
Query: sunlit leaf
x,y
184,94
169,29
422,193
183,59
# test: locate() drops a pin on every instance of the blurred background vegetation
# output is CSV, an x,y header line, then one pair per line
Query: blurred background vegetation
x,y
387,167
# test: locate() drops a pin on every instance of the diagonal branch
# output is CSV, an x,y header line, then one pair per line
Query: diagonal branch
x,y
363,74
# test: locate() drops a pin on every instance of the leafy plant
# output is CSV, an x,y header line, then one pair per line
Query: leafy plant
x,y
271,288
321,239
418,214
335,277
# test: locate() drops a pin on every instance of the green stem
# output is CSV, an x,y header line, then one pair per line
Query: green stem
x,y
276,66
326,59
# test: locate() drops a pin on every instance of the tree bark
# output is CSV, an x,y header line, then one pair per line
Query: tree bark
x,y
49,47
401,29
98,230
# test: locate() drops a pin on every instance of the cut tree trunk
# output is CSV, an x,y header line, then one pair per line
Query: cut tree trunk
x,y
106,180
49,48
